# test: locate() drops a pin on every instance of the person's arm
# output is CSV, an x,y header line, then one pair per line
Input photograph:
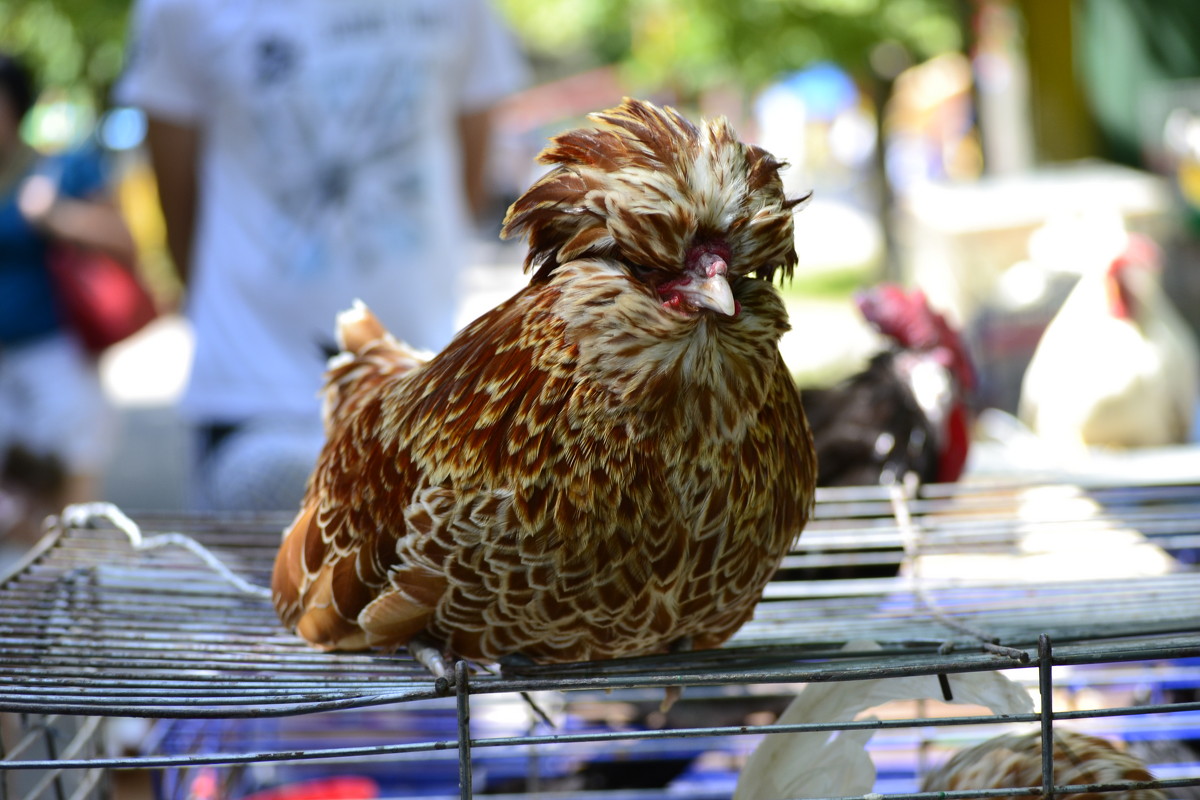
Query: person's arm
x,y
474,131
94,222
174,154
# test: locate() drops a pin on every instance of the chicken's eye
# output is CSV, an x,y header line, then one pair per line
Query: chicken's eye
x,y
642,273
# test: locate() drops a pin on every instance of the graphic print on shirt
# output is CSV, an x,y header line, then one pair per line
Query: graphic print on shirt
x,y
341,160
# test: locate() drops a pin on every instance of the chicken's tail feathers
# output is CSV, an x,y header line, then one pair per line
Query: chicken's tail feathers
x,y
370,357
308,589
361,335
288,580
357,327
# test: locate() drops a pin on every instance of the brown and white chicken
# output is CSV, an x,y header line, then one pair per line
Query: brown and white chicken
x,y
1014,761
1117,366
610,463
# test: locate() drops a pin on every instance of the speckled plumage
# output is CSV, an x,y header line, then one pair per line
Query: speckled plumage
x,y
595,468
1014,761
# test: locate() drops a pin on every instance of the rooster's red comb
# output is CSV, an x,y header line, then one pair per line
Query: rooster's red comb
x,y
905,316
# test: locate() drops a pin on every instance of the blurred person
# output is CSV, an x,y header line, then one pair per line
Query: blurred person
x,y
308,153
55,424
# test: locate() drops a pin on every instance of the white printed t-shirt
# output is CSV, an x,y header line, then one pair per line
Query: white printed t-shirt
x,y
329,171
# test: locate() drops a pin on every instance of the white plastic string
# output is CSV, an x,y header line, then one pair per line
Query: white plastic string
x,y
82,515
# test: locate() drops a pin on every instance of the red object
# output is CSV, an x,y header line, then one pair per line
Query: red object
x,y
102,300
348,787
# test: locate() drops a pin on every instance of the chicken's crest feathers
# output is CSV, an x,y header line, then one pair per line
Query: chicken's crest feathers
x,y
646,185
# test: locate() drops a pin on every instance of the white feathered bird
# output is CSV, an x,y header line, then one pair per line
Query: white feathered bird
x,y
820,764
792,765
1117,366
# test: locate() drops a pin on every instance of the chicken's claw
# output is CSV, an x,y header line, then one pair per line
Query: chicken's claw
x,y
432,659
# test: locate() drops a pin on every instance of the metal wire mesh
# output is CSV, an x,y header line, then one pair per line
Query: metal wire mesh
x,y
50,737
91,626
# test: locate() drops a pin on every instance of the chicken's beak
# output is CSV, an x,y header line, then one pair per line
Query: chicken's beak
x,y
711,290
711,293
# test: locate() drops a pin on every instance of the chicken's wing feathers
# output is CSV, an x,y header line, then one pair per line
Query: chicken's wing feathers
x,y
347,578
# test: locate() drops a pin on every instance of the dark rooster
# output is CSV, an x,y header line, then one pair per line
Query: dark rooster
x,y
610,463
907,411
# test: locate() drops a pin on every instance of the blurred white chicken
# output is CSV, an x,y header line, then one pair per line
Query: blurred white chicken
x,y
824,764
791,765
1117,366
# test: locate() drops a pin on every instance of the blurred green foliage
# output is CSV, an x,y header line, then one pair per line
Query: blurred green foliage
x,y
690,45
682,45
73,45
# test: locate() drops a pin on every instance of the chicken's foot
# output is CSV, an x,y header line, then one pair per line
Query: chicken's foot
x,y
515,662
431,658
672,693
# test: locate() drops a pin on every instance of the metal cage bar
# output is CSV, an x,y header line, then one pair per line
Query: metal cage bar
x,y
1046,717
92,626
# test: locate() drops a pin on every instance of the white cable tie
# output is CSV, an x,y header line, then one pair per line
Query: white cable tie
x,y
81,515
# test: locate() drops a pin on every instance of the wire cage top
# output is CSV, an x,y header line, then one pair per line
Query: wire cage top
x,y
103,620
